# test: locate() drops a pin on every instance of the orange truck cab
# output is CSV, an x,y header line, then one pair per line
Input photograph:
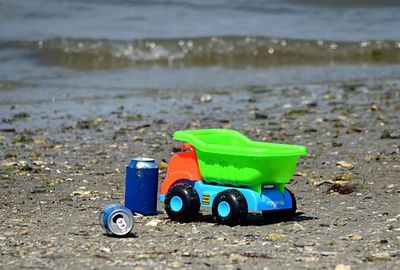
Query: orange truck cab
x,y
182,166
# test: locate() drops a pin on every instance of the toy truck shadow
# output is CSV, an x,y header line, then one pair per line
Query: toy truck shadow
x,y
231,174
257,219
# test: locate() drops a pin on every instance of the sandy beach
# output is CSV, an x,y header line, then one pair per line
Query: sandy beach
x,y
63,159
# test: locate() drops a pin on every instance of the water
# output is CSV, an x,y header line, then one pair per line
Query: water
x,y
101,46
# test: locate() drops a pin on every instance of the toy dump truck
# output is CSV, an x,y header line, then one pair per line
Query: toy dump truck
x,y
227,171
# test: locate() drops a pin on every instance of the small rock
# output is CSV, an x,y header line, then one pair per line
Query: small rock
x,y
374,108
328,253
38,189
163,165
138,138
342,189
297,227
259,115
339,223
237,257
303,243
25,232
252,99
176,264
276,236
12,130
206,98
105,249
9,164
22,115
38,162
153,223
342,267
336,144
195,230
26,168
386,134
80,193
310,130
344,176
312,104
379,257
307,259
11,154
354,237
243,242
353,130
345,164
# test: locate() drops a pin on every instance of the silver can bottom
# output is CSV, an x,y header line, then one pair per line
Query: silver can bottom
x,y
116,220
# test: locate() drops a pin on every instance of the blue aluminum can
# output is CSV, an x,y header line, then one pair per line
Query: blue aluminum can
x,y
141,186
116,219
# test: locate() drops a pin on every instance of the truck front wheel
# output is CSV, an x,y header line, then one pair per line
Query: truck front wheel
x,y
182,203
229,207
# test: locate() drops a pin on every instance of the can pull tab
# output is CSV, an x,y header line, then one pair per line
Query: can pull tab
x,y
121,223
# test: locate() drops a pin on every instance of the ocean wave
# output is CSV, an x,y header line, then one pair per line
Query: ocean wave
x,y
229,51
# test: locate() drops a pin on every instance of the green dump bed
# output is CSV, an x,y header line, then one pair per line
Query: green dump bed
x,y
227,157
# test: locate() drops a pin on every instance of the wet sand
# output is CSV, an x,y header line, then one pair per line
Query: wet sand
x,y
62,159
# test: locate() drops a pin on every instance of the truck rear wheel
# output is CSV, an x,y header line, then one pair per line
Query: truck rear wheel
x,y
230,207
282,215
182,203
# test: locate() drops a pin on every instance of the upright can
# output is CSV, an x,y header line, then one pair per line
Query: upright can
x,y
141,186
116,219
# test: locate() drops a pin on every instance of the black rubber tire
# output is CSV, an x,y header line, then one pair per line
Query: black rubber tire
x,y
190,200
284,214
238,207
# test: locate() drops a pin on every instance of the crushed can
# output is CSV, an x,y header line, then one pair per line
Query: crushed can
x,y
141,186
116,219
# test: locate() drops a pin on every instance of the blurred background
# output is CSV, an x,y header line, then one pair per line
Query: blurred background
x,y
97,46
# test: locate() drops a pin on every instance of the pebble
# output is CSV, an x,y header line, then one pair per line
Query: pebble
x,y
25,232
163,165
206,98
306,259
276,236
237,257
342,188
9,164
38,162
176,264
304,243
379,257
80,193
344,176
354,237
328,253
105,249
38,189
153,223
345,164
342,267
374,108
195,230
259,115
